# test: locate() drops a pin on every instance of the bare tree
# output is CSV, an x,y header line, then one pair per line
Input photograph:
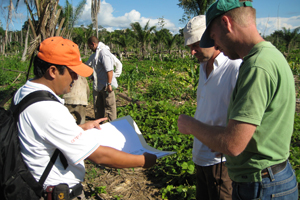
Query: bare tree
x,y
8,21
95,7
25,46
44,26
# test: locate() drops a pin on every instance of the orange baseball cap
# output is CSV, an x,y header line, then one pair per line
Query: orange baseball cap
x,y
60,51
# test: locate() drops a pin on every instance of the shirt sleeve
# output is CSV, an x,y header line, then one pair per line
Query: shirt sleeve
x,y
107,60
63,133
252,95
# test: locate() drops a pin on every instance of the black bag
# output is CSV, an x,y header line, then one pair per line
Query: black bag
x,y
15,180
61,192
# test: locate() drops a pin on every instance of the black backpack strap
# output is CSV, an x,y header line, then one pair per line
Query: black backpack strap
x,y
40,95
51,163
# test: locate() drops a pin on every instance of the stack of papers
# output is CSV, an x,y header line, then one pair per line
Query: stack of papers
x,y
123,134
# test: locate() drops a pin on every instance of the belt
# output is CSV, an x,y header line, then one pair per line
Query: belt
x,y
275,169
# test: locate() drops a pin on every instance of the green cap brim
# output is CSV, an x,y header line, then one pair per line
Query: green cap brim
x,y
216,9
206,41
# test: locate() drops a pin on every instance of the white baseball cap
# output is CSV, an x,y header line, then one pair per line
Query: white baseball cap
x,y
194,30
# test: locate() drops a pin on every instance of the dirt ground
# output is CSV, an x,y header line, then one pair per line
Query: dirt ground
x,y
128,184
133,184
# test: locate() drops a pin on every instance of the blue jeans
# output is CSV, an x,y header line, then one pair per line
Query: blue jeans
x,y
283,187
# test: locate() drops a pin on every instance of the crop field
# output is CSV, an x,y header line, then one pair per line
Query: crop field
x,y
159,91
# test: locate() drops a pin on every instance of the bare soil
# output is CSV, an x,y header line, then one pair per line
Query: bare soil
x,y
133,184
108,183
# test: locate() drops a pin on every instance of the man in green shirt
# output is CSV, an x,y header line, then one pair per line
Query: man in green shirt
x,y
261,111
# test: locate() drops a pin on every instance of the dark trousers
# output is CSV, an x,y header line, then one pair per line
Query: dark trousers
x,y
209,186
105,104
78,112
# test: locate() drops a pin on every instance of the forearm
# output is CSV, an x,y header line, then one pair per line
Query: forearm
x,y
230,140
109,76
211,136
111,157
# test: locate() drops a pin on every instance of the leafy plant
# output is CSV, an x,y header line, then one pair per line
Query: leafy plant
x,y
101,189
118,197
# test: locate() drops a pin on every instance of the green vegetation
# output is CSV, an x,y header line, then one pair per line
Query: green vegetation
x,y
165,89
156,73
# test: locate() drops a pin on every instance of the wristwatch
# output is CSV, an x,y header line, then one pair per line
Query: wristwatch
x,y
108,83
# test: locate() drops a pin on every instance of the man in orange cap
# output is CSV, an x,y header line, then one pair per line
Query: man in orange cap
x,y
48,125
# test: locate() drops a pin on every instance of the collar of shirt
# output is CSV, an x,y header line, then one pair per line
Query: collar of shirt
x,y
37,86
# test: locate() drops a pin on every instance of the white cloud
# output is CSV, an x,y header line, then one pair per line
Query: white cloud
x,y
107,18
108,21
267,26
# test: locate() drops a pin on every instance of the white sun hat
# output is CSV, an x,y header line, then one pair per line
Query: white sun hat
x,y
194,30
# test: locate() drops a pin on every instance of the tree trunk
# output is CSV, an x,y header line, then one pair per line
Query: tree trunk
x,y
95,8
3,45
10,37
21,39
25,46
96,26
45,26
1,42
8,21
85,49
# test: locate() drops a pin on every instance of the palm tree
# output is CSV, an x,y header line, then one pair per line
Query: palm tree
x,y
180,44
47,13
159,40
81,35
285,40
142,34
95,7
125,40
170,40
69,16
290,37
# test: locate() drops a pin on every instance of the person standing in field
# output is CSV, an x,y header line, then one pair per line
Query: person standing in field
x,y
77,100
103,61
48,125
260,118
217,79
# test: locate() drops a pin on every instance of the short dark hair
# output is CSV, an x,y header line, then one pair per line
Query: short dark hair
x,y
41,66
92,40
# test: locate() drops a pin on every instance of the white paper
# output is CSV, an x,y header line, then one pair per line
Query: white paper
x,y
123,134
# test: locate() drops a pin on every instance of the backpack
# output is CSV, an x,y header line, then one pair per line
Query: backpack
x,y
16,181
118,65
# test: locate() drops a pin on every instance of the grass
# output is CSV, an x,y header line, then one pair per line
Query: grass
x,y
167,89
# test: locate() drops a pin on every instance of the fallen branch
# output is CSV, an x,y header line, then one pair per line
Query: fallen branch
x,y
124,96
14,70
16,78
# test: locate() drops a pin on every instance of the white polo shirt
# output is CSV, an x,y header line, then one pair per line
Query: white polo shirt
x,y
45,126
213,96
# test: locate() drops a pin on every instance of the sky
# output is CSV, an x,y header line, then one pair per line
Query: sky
x,y
119,14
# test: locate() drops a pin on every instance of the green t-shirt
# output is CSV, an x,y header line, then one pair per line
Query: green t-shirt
x,y
264,95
